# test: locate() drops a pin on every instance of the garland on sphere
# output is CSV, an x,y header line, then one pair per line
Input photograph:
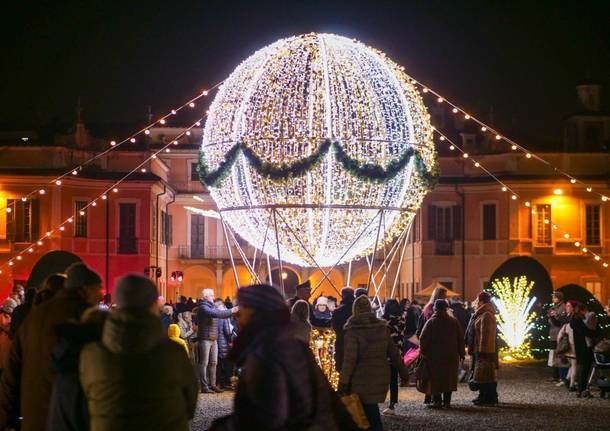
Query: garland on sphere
x,y
298,168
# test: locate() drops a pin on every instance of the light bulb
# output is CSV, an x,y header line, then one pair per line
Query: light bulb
x,y
477,164
104,197
566,235
147,132
132,140
425,90
112,143
452,147
18,257
455,110
504,188
162,121
41,191
604,198
585,249
514,197
205,92
483,129
173,112
167,150
115,190
577,244
589,189
514,147
528,204
188,133
528,155
440,100
23,199
93,203
465,155
598,258
70,220
573,181
466,117
442,138
198,123
61,228
498,137
39,242
192,104
9,210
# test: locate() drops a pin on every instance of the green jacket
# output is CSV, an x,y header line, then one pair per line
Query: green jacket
x,y
136,378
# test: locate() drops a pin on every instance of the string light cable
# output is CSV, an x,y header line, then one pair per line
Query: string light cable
x,y
515,196
132,138
485,128
102,196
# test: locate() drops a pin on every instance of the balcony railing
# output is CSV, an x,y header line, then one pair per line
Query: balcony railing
x,y
196,251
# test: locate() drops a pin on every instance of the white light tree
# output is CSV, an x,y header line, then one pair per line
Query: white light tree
x,y
515,319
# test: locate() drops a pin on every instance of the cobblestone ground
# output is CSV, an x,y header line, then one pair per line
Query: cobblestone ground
x,y
528,401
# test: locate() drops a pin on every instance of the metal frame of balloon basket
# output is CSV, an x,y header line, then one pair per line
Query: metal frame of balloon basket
x,y
397,249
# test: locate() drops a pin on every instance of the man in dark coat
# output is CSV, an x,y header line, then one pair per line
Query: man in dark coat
x,y
136,378
280,387
28,365
207,337
338,321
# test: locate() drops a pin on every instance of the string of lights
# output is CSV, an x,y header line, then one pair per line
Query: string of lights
x,y
113,145
515,196
114,188
486,128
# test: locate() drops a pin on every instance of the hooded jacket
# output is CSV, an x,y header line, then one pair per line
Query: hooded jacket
x,y
173,333
136,378
368,347
28,365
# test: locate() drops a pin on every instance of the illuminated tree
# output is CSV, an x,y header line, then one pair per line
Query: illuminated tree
x,y
515,319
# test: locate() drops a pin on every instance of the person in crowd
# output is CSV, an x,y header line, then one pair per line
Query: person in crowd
x,y
338,321
107,301
303,291
167,316
22,310
68,406
224,369
332,304
437,293
571,375
190,304
393,314
463,315
181,306
14,296
361,291
299,316
9,305
321,311
583,334
52,284
366,370
28,365
557,317
5,336
411,318
228,303
442,346
136,378
481,340
185,323
280,387
173,333
207,337
19,290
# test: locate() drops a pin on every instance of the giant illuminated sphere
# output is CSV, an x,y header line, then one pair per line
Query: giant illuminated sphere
x,y
284,101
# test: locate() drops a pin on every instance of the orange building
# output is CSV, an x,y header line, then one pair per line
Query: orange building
x,y
157,223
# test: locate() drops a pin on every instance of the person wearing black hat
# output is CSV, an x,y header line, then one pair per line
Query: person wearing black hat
x,y
28,365
338,321
136,378
281,386
442,346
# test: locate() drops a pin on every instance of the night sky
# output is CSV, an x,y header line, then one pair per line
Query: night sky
x,y
522,58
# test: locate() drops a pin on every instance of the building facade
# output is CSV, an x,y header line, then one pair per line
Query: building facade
x,y
161,222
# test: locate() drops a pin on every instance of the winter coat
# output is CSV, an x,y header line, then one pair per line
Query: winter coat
x,y
566,329
19,314
136,378
461,314
282,388
28,365
411,317
224,337
557,321
485,331
187,331
338,321
68,405
396,325
5,346
166,320
580,333
442,345
302,330
207,319
368,347
173,333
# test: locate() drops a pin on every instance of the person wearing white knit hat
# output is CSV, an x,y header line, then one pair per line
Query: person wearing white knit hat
x,y
321,311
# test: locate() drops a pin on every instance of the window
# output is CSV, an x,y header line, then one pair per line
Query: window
x,y
543,225
80,226
194,172
197,236
22,223
444,226
593,224
127,228
166,228
489,221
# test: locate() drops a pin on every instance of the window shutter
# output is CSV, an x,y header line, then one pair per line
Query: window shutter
x,y
431,222
457,222
35,220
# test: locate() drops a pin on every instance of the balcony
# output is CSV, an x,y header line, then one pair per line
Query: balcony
x,y
195,251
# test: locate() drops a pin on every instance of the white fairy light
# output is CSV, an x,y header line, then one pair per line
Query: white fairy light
x,y
283,102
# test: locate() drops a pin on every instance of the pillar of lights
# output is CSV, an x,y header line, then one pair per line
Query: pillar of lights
x,y
283,102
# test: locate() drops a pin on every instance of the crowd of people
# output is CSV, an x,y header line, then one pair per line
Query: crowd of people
x,y
71,359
